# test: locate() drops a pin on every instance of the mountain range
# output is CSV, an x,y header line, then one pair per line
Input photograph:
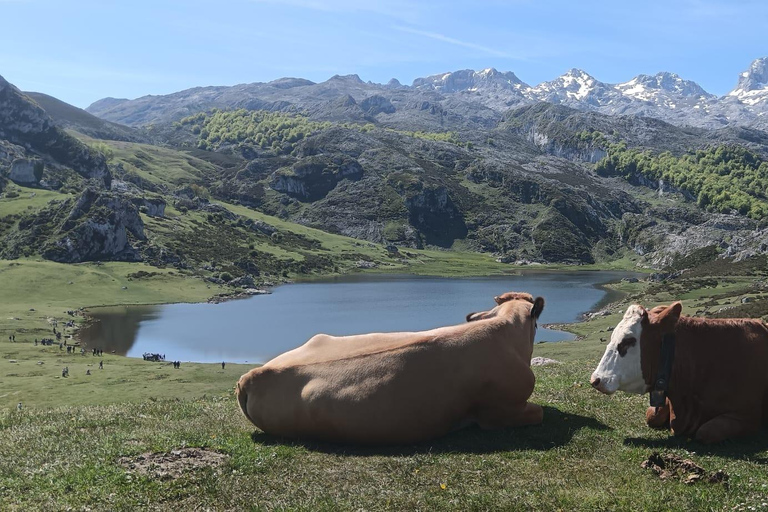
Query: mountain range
x,y
571,171
464,99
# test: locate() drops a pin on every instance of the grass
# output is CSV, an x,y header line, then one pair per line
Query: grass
x,y
29,200
586,456
158,165
34,291
62,449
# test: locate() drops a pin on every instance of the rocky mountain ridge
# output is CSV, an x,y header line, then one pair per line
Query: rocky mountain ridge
x,y
464,99
30,139
520,185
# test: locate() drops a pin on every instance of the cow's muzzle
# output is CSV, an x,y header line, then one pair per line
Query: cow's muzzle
x,y
601,385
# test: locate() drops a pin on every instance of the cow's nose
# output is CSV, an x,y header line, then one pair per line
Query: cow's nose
x,y
595,382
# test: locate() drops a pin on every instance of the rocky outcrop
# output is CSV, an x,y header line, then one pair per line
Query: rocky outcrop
x,y
660,186
312,178
100,226
152,206
432,211
558,239
26,171
377,104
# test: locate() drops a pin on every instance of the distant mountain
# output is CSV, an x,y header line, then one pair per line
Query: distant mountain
x,y
574,88
70,117
471,81
449,161
33,148
464,100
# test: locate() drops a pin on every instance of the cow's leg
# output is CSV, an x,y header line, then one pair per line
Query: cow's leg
x,y
510,416
727,426
658,417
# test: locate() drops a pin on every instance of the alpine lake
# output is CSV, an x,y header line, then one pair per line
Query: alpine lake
x,y
260,327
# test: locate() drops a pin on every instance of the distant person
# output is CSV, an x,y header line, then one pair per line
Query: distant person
x,y
222,365
101,365
19,406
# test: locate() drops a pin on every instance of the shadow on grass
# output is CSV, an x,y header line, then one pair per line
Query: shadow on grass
x,y
753,448
557,430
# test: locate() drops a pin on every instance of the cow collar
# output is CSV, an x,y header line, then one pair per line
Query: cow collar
x,y
666,358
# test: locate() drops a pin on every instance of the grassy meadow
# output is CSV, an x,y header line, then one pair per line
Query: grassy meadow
x,y
68,446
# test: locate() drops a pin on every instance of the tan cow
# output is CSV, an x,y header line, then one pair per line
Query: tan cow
x,y
402,387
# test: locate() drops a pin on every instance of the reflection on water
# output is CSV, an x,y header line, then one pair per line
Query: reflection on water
x,y
258,328
116,327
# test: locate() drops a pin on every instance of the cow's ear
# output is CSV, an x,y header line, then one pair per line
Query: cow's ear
x,y
538,307
668,318
480,315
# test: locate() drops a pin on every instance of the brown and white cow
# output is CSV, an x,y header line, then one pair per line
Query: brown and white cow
x,y
402,387
718,387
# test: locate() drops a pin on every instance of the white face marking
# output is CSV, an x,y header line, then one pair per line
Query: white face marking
x,y
620,369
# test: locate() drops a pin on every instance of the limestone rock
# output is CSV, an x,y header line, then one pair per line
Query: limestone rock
x,y
26,171
100,226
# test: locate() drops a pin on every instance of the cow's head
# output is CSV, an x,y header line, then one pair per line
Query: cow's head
x,y
631,356
510,300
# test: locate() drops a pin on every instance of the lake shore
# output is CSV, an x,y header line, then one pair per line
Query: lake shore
x,y
261,328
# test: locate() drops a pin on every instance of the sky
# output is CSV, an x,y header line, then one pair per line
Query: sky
x,y
82,50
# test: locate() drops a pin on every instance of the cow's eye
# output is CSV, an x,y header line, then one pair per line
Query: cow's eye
x,y
624,345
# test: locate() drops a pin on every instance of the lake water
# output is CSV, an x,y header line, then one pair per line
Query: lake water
x,y
258,328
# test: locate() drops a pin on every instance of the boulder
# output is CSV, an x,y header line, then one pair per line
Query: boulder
x,y
243,282
152,206
25,171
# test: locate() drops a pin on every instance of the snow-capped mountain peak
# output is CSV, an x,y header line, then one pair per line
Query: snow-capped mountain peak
x,y
574,85
665,89
470,80
752,87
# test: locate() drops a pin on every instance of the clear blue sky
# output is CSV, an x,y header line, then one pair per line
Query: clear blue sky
x,y
84,50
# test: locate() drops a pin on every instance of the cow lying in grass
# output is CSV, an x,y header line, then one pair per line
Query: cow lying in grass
x,y
402,387
718,383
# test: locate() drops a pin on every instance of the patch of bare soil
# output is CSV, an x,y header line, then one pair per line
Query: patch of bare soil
x,y
671,466
173,464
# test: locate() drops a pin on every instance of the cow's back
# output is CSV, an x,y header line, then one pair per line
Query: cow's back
x,y
397,387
